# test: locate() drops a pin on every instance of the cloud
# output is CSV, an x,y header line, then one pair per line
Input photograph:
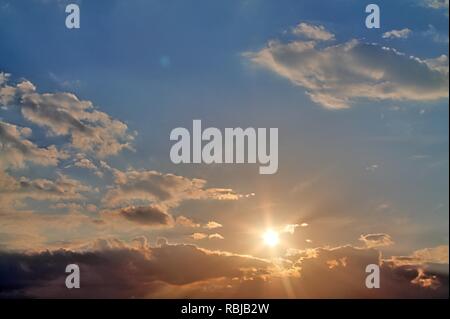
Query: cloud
x,y
372,168
9,93
290,228
435,35
314,32
85,163
23,230
89,129
335,76
60,189
435,255
18,222
74,207
165,189
199,236
3,77
348,264
112,268
436,4
186,222
426,280
399,34
63,114
216,236
212,225
150,215
376,240
81,161
16,149
138,199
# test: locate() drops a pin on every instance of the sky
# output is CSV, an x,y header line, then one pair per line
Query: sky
x,y
363,162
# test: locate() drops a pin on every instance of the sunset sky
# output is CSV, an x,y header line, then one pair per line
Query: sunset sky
x,y
86,177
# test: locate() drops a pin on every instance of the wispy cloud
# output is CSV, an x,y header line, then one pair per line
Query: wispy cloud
x,y
436,4
376,240
399,34
314,32
435,35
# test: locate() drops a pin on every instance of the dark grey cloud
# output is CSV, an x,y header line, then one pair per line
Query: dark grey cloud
x,y
111,268
148,215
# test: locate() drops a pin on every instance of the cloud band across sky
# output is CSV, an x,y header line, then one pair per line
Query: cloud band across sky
x,y
115,269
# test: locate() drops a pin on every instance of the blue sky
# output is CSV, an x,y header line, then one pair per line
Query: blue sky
x,y
378,165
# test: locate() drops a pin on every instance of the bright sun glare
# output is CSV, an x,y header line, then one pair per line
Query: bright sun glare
x,y
271,238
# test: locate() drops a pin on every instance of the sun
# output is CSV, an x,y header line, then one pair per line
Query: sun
x,y
271,238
